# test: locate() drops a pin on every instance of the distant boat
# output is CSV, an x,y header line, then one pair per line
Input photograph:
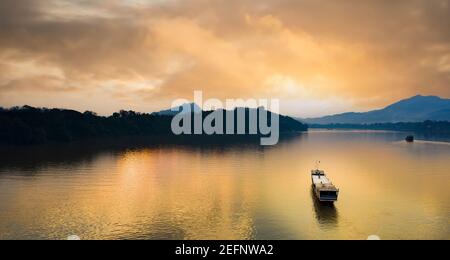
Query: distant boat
x,y
324,189
409,139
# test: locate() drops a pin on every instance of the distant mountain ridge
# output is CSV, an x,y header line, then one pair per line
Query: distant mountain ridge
x,y
174,111
415,109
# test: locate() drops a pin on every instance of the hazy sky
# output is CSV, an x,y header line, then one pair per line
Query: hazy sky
x,y
317,56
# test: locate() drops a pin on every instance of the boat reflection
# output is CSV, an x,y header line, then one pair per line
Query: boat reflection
x,y
325,212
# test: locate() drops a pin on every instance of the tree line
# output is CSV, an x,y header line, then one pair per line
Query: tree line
x,y
427,127
29,125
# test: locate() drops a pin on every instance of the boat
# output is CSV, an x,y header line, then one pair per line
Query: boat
x,y
409,139
324,189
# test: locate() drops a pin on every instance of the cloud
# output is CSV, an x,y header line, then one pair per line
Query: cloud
x,y
142,54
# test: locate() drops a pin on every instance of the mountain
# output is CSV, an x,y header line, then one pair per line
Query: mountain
x,y
415,109
286,124
174,111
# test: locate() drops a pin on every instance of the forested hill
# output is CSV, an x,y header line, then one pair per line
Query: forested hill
x,y
29,125
426,127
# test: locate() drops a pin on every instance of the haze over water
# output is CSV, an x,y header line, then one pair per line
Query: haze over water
x,y
236,191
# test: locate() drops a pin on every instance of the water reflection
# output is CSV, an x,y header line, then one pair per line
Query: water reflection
x,y
325,212
34,158
141,189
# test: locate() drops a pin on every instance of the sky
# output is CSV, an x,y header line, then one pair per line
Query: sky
x,y
318,57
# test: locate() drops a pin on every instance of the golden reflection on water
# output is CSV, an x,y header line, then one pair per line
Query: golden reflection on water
x,y
388,188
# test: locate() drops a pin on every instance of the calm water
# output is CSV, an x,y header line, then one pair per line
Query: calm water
x,y
134,191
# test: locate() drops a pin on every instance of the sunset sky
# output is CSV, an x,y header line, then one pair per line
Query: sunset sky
x,y
317,56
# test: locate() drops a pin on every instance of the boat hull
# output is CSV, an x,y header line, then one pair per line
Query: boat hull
x,y
325,197
323,188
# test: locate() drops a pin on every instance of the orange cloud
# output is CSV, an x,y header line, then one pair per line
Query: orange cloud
x,y
318,57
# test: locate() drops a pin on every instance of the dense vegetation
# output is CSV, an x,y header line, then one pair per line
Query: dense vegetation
x,y
428,127
28,125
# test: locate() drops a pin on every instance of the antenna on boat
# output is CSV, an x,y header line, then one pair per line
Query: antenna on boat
x,y
317,165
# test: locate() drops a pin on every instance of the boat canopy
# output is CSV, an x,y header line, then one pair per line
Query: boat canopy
x,y
318,172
